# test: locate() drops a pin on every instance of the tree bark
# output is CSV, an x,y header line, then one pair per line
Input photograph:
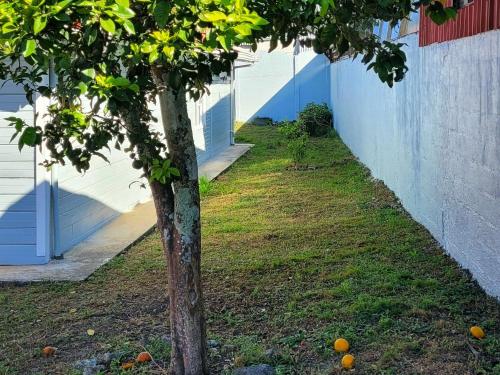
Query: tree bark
x,y
178,210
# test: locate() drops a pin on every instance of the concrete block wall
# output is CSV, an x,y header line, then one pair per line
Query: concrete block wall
x,y
434,139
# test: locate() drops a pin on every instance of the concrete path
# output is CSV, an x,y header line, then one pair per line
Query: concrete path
x,y
121,233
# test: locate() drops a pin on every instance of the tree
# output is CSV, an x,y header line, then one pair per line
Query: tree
x,y
113,58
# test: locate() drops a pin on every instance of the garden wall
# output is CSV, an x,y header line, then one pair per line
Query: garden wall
x,y
434,139
281,83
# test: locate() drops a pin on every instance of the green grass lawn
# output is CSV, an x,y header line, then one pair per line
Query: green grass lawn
x,y
292,259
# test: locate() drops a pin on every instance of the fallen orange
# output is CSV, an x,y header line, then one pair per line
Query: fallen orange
x,y
348,361
341,345
477,332
127,365
48,351
144,357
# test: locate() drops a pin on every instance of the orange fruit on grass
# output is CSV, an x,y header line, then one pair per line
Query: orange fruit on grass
x,y
144,357
348,361
127,365
341,345
48,351
477,332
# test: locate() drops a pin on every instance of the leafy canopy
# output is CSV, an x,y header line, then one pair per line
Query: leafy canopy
x,y
103,53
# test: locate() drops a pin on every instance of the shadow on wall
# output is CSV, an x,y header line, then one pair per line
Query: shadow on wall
x,y
18,226
211,122
281,84
73,216
82,204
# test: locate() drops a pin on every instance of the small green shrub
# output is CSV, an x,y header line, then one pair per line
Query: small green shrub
x,y
297,138
291,129
298,148
316,119
205,185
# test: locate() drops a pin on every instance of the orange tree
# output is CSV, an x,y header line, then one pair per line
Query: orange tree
x,y
112,58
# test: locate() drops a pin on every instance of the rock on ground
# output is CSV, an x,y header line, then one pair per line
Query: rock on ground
x,y
255,370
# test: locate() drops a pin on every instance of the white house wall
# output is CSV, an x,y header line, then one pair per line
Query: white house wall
x,y
435,140
281,83
17,184
88,202
81,204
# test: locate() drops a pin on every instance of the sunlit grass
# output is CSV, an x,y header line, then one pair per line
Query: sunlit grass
x,y
291,260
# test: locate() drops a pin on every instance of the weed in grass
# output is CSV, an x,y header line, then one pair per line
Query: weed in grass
x,y
205,186
249,350
5,370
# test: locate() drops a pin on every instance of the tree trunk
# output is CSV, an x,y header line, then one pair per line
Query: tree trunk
x,y
178,211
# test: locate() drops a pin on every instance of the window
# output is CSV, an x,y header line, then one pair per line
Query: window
x,y
458,4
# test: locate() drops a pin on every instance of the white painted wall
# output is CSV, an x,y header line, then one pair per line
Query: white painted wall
x,y
17,184
434,139
280,84
81,204
87,202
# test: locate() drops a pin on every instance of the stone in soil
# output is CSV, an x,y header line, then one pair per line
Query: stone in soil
x,y
255,370
213,344
89,366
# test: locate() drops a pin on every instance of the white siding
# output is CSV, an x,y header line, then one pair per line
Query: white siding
x,y
211,121
87,202
83,203
17,184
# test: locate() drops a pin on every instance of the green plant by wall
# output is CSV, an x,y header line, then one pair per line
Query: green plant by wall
x,y
297,148
297,137
291,129
205,185
316,119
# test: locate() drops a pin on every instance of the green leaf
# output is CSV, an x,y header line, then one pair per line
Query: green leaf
x,y
60,6
91,36
90,72
119,81
134,87
215,16
39,24
224,41
153,56
182,35
8,27
169,52
147,47
175,172
122,12
108,25
29,48
28,137
161,12
123,3
451,13
243,29
83,88
129,27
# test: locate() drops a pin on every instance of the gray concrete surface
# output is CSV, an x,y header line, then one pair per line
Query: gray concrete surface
x,y
127,229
